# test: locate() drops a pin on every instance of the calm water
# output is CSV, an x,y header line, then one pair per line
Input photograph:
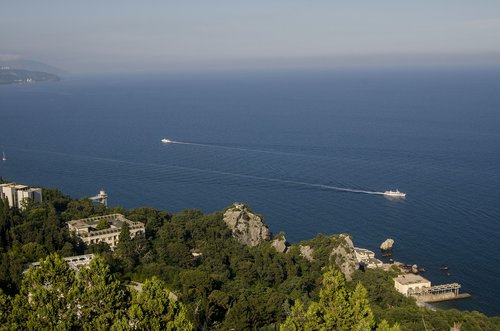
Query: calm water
x,y
269,139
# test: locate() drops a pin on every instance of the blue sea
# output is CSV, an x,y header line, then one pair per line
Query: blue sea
x,y
282,142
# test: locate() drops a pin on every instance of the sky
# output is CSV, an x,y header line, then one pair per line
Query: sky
x,y
124,35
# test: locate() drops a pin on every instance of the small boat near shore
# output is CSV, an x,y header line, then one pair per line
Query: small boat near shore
x,y
166,141
395,194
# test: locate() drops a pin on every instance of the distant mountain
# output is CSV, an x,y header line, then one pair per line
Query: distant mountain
x,y
22,76
17,62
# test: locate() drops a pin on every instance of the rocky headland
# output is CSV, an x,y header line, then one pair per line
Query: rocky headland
x,y
249,229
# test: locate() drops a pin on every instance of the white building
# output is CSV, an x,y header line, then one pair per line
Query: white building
x,y
367,258
75,262
410,282
17,195
87,230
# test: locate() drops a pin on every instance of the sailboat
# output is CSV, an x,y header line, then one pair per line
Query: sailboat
x,y
3,157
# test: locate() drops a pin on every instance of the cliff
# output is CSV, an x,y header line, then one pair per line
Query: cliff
x,y
338,249
249,229
246,226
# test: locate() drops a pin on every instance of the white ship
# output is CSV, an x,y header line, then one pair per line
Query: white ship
x,y
3,157
166,141
395,194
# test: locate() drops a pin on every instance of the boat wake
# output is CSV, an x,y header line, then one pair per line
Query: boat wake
x,y
248,149
210,171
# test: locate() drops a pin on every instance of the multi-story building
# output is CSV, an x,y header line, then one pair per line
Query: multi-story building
x,y
17,195
409,283
367,258
105,229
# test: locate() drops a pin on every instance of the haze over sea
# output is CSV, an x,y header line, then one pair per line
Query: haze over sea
x,y
277,141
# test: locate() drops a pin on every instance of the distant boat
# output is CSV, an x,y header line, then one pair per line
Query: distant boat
x,y
3,157
166,141
395,194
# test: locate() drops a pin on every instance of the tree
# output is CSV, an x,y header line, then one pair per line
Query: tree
x,y
99,296
103,224
297,319
125,249
337,309
384,326
124,237
4,308
45,300
334,308
362,316
153,309
5,224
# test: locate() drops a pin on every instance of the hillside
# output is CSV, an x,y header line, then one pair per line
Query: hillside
x,y
23,76
226,269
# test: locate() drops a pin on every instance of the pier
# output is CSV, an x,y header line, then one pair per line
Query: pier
x,y
421,289
438,293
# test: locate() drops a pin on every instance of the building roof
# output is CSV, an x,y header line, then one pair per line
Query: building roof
x,y
16,186
115,222
74,262
408,279
79,224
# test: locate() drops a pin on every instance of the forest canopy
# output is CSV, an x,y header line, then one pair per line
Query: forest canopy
x,y
218,283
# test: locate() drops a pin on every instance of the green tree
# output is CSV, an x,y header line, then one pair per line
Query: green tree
x,y
384,326
362,315
337,309
334,308
99,296
5,309
103,224
124,237
44,301
153,219
297,319
33,251
153,309
5,224
125,249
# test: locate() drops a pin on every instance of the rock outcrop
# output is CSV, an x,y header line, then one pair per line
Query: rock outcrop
x,y
306,252
246,226
280,243
341,251
345,257
387,245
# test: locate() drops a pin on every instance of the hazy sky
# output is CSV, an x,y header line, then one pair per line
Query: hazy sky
x,y
109,35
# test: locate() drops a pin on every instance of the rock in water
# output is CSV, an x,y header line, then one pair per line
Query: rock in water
x,y
387,245
246,227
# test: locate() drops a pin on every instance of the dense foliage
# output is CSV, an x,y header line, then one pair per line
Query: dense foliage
x,y
337,309
55,297
219,283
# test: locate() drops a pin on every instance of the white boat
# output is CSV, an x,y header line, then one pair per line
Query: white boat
x,y
3,157
395,194
166,141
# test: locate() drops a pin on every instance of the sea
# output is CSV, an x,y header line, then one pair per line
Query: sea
x,y
310,150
